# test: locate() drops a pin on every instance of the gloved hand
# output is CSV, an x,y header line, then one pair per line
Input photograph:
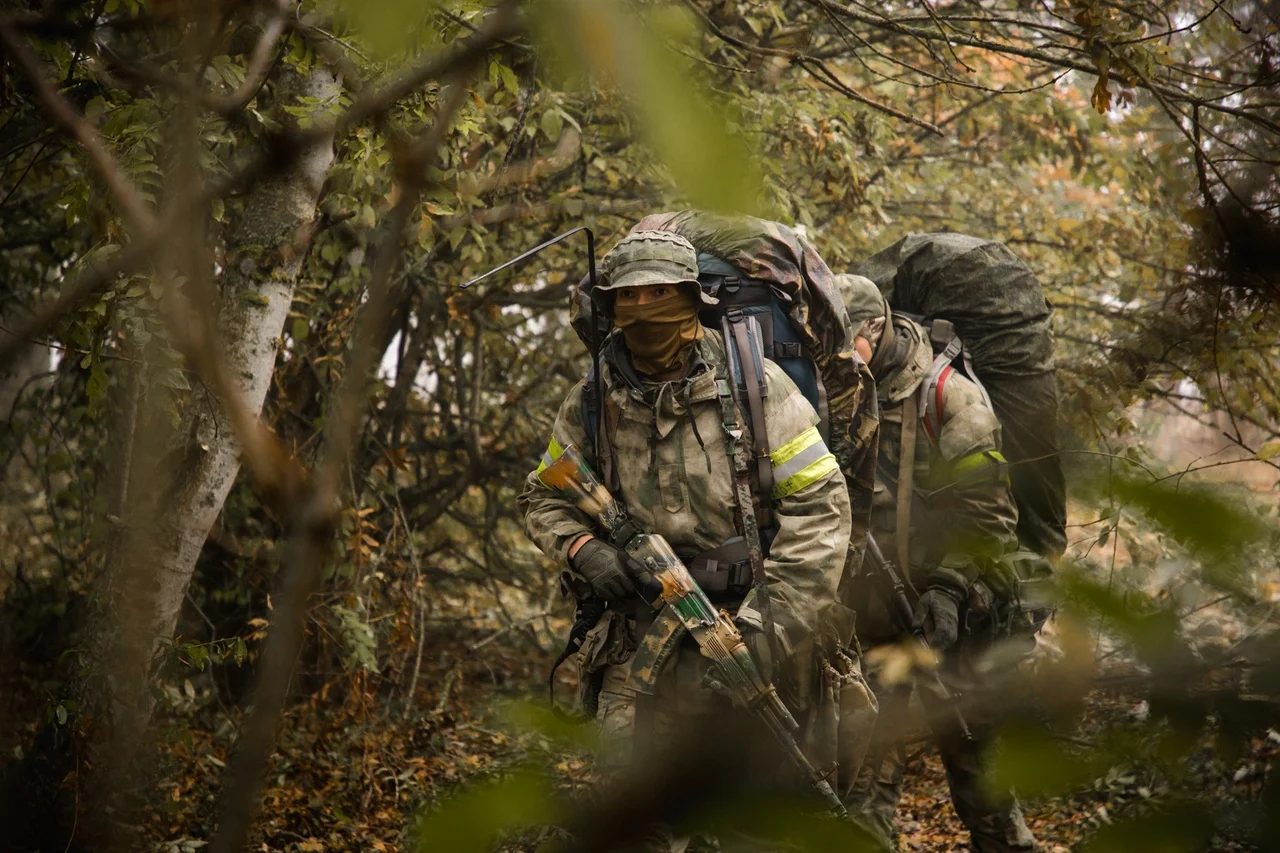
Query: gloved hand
x,y
605,568
938,610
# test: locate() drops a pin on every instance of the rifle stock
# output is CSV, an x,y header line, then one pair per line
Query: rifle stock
x,y
664,579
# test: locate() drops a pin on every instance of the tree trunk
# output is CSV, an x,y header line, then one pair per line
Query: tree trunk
x,y
171,485
263,259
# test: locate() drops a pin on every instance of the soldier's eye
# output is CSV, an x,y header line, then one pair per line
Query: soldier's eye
x,y
660,292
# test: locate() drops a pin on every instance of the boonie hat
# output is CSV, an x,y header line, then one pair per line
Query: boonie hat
x,y
652,257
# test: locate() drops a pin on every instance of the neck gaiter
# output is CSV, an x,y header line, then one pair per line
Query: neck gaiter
x,y
659,335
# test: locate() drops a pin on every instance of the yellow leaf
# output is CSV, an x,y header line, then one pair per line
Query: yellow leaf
x,y
1270,450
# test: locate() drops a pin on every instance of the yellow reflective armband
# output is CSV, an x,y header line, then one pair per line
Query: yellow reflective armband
x,y
551,455
974,461
800,462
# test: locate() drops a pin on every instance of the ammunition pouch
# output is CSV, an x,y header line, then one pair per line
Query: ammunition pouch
x,y
608,643
1016,591
840,724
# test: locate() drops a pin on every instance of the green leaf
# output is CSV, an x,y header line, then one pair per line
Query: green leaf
x,y
175,378
472,821
299,329
1035,764
690,134
552,124
1201,518
61,713
199,656
1270,450
389,27
1169,830
96,388
252,297
509,80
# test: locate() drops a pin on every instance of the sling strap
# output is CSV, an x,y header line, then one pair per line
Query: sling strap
x,y
736,446
906,477
930,406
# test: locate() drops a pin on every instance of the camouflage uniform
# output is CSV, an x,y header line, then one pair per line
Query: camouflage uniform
x,y
962,519
677,481
669,463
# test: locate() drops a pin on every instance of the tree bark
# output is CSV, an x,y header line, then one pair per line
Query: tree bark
x,y
170,486
264,257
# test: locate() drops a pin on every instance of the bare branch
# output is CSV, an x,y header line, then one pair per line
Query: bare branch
x,y
826,76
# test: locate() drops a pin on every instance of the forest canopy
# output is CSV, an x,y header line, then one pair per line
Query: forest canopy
x,y
262,572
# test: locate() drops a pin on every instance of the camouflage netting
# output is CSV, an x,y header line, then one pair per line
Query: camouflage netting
x,y
999,310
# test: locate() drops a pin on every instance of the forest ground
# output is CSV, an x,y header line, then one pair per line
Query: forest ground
x,y
352,770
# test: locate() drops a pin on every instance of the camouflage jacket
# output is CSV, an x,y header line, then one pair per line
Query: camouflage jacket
x,y
962,514
676,479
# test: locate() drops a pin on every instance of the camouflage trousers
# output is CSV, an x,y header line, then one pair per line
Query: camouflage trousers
x,y
995,824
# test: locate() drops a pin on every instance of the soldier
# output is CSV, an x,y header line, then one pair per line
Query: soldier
x,y
943,511
665,420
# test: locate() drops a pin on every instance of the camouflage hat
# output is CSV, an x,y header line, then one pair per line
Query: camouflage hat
x,y
652,257
862,299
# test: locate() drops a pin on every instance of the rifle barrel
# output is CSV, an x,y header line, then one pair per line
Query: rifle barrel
x,y
898,602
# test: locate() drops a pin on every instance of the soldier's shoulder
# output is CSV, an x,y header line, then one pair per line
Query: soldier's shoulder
x,y
968,423
778,381
959,393
571,408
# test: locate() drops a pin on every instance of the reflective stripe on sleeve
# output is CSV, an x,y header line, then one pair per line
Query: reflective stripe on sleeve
x,y
800,462
551,455
974,461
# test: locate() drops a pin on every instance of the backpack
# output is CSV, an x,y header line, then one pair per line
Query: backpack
x,y
778,300
987,316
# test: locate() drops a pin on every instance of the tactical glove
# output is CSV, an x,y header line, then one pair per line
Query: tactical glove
x,y
938,610
605,568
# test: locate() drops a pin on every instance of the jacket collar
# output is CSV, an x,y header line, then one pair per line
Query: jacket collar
x,y
668,401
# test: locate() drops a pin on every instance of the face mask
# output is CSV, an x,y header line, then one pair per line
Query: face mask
x,y
660,335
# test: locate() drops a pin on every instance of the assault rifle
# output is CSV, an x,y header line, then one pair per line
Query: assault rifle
x,y
663,579
894,593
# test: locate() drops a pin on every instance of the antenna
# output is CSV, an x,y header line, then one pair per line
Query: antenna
x,y
602,436
591,256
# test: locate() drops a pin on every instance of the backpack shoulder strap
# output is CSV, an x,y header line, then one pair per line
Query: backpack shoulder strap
x,y
906,483
744,349
930,402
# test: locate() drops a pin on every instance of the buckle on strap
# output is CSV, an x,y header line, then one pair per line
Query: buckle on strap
x,y
719,577
719,568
